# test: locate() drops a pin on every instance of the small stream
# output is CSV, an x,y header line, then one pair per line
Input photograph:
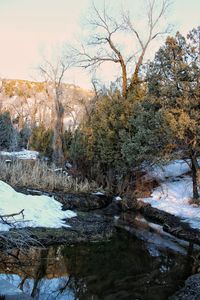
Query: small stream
x,y
132,265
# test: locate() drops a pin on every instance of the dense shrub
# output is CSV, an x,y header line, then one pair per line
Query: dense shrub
x,y
9,137
41,140
66,143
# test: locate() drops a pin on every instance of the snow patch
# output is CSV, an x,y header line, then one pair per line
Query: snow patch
x,y
23,154
172,169
117,198
98,194
175,191
39,211
173,196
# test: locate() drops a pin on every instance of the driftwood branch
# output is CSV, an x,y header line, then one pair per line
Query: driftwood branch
x,y
13,215
5,218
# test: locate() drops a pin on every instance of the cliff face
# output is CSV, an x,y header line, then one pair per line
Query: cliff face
x,y
32,102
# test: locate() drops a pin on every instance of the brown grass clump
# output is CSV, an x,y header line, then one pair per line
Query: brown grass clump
x,y
38,175
144,186
194,202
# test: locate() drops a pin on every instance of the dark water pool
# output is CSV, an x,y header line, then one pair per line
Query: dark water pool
x,y
123,268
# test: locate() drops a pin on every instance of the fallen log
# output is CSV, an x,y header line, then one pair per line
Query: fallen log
x,y
171,224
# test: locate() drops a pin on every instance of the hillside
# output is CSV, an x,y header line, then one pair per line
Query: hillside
x,y
31,102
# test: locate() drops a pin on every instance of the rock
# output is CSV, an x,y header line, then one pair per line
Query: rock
x,y
68,165
33,192
191,290
112,209
80,202
92,225
83,202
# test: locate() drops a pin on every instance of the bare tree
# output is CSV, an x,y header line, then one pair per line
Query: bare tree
x,y
153,17
53,75
102,45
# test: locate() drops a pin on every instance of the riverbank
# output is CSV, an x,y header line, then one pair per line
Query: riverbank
x,y
95,218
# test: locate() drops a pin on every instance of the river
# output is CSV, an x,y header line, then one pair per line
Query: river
x,y
128,266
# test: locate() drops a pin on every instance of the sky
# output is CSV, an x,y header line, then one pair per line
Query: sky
x,y
29,29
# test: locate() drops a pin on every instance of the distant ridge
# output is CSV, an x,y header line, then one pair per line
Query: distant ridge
x,y
31,102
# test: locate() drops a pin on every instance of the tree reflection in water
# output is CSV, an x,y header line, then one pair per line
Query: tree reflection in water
x,y
120,269
39,272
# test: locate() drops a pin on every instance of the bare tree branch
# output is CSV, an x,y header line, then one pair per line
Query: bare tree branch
x,y
153,15
103,47
54,75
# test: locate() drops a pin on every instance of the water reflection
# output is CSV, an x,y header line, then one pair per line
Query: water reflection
x,y
120,269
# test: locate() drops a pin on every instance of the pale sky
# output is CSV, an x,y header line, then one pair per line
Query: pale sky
x,y
28,28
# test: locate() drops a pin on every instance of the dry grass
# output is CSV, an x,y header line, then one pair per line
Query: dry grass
x,y
194,202
37,175
144,186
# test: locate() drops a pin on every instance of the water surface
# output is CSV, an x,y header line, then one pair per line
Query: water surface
x,y
123,268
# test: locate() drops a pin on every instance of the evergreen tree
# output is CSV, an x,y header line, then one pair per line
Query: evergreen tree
x,y
101,139
41,140
178,87
66,142
168,121
77,149
6,131
25,134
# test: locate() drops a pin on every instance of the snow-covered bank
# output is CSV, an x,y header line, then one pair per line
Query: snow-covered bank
x,y
23,154
173,169
39,211
175,192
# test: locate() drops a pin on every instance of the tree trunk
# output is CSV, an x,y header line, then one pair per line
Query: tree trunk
x,y
134,79
123,66
194,169
33,114
124,79
58,156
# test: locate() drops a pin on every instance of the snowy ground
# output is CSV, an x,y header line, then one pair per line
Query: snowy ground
x,y
39,211
175,192
173,169
23,154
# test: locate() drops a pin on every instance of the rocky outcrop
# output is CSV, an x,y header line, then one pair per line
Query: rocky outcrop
x,y
83,202
191,290
79,202
86,227
90,224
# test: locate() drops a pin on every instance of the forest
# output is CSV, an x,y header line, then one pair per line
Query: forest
x,y
149,115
